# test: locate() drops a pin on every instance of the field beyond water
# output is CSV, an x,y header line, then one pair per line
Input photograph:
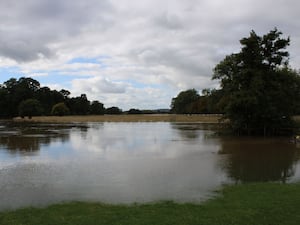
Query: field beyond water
x,y
195,118
213,118
246,204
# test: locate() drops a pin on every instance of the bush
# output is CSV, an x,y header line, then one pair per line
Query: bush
x,y
135,111
113,110
60,109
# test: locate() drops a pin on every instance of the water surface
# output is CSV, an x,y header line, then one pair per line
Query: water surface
x,y
132,162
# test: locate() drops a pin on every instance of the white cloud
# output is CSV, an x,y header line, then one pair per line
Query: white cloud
x,y
98,85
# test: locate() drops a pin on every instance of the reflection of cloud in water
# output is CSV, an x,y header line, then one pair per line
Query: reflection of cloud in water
x,y
132,162
116,163
119,141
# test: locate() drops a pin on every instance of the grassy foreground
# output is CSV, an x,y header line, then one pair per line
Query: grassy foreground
x,y
127,118
263,204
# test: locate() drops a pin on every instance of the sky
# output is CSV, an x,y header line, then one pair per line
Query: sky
x,y
137,53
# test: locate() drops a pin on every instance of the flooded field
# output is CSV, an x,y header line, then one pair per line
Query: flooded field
x,y
45,163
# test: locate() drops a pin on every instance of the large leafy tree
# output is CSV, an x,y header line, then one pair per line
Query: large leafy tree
x,y
97,108
260,91
30,107
33,99
18,91
184,101
113,110
79,105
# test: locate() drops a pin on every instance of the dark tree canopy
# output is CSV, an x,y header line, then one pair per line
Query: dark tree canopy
x,y
30,107
190,102
22,96
97,108
183,102
79,105
134,111
260,91
113,110
18,91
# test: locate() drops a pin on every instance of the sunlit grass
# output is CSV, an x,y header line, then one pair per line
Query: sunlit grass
x,y
246,204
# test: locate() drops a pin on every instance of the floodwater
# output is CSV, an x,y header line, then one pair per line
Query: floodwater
x,y
42,164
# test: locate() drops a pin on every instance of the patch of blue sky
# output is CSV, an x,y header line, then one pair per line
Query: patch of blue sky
x,y
43,76
84,60
94,60
56,77
10,72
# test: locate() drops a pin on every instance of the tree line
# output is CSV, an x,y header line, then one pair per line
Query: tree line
x,y
25,97
259,92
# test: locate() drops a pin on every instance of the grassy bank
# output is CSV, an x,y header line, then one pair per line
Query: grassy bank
x,y
127,118
263,204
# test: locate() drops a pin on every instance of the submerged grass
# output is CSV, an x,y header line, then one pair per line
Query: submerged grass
x,y
246,204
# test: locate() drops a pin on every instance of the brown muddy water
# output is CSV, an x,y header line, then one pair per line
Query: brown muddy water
x,y
41,164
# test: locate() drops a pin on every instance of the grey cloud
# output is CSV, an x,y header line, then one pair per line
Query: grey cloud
x,y
99,85
186,60
28,28
169,21
106,86
24,50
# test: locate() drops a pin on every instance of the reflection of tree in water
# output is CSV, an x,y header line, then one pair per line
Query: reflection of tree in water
x,y
259,160
191,131
27,139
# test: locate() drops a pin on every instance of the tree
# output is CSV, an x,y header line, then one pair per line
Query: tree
x,y
97,108
4,102
30,107
183,102
20,90
134,111
113,110
64,93
60,109
30,83
79,105
48,98
260,91
13,92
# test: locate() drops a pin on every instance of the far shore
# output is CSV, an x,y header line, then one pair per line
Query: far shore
x,y
195,118
179,118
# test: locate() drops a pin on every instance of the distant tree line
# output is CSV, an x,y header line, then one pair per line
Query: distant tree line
x,y
259,92
25,97
191,102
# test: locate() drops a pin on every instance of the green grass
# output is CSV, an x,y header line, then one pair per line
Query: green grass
x,y
251,204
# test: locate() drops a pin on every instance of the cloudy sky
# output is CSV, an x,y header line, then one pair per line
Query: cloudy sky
x,y
133,54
